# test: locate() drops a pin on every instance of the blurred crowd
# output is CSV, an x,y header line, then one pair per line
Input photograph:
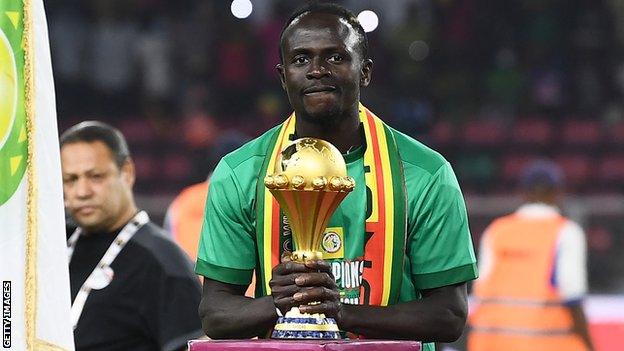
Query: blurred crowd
x,y
490,84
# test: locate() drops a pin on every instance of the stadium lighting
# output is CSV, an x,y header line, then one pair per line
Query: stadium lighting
x,y
418,50
241,8
369,20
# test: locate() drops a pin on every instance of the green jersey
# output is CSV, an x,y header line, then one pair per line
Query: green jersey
x,y
439,249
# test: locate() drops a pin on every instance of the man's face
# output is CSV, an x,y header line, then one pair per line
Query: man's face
x,y
322,68
97,192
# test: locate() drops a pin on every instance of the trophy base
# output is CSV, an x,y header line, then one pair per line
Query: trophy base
x,y
296,325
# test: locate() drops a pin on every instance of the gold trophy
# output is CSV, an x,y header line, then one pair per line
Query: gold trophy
x,y
309,182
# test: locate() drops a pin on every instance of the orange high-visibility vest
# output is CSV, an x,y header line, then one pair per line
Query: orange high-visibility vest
x,y
518,308
186,216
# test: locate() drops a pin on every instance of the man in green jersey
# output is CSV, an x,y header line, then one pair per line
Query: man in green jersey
x,y
397,252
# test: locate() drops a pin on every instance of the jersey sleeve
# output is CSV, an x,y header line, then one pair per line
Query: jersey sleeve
x,y
227,247
439,243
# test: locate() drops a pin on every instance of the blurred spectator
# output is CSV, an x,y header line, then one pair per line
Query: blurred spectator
x,y
547,88
194,59
533,274
199,132
505,82
131,287
112,56
69,35
617,10
268,35
154,60
408,45
185,215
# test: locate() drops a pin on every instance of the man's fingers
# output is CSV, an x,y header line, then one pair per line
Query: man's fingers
x,y
289,267
316,279
319,265
316,294
285,303
329,308
282,280
284,290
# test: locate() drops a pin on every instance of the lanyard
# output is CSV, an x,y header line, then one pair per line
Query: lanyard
x,y
94,281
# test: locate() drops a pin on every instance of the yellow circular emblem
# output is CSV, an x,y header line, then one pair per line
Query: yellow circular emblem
x,y
8,88
13,132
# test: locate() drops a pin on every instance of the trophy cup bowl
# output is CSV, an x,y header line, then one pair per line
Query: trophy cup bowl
x,y
309,182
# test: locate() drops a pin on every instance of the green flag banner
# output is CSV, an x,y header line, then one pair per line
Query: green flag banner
x,y
13,141
33,253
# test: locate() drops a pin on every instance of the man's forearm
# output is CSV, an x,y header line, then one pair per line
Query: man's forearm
x,y
228,316
402,322
430,319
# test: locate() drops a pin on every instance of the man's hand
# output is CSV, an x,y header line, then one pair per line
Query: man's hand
x,y
296,284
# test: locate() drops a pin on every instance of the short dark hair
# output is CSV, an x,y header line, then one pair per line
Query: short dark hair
x,y
92,131
331,9
542,174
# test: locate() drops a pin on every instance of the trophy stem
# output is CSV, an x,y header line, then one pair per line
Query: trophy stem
x,y
297,325
303,256
308,213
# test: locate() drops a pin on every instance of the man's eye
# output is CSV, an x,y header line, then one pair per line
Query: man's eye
x,y
336,58
97,176
299,60
68,181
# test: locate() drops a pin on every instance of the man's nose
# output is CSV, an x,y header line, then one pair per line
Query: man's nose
x,y
83,188
317,70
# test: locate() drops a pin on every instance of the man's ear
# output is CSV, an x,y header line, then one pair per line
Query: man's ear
x,y
366,72
280,71
128,172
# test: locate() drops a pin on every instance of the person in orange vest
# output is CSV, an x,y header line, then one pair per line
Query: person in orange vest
x,y
185,215
533,274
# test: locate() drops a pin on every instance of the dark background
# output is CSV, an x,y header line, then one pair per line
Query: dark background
x,y
492,85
